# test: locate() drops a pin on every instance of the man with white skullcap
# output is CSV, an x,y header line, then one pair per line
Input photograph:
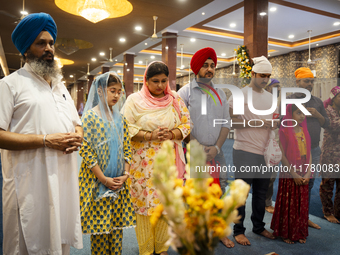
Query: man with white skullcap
x,y
249,147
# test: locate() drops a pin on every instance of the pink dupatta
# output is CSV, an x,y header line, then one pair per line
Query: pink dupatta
x,y
158,103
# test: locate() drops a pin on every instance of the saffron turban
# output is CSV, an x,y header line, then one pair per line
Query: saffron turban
x,y
261,65
200,57
303,72
30,27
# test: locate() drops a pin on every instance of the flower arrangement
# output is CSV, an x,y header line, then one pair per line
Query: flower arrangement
x,y
197,215
244,64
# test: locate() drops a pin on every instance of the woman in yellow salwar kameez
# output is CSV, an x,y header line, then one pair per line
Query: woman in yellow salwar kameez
x,y
154,114
105,202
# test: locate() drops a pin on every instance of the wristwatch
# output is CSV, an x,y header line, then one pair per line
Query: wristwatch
x,y
218,149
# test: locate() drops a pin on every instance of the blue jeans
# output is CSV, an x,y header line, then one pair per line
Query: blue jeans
x,y
316,152
259,184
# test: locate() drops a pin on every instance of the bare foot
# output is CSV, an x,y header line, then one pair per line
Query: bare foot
x,y
302,240
227,242
313,225
267,234
331,218
242,239
287,240
270,209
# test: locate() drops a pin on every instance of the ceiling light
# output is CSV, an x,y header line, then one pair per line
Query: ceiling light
x,y
146,43
118,71
128,69
182,66
192,40
152,57
203,13
232,25
291,36
93,59
268,55
166,47
317,44
94,10
116,60
126,64
263,13
102,53
336,23
138,28
223,54
272,9
24,13
140,62
71,76
122,39
64,82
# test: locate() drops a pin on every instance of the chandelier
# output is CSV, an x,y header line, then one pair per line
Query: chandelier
x,y
96,10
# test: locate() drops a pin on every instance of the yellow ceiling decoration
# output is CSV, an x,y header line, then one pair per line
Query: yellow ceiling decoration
x,y
96,10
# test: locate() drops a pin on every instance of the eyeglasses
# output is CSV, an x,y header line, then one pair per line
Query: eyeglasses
x,y
206,66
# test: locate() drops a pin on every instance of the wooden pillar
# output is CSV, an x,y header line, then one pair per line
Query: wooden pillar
x,y
90,79
169,56
128,72
105,69
256,27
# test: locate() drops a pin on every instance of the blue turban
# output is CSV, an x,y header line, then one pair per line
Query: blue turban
x,y
30,27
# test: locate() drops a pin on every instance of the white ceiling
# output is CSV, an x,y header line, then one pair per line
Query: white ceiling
x,y
281,23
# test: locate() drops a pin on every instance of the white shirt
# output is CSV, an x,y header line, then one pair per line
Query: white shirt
x,y
39,184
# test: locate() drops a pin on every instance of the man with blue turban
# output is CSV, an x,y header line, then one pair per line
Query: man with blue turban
x,y
39,131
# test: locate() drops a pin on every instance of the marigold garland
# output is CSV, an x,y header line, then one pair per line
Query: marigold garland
x,y
244,64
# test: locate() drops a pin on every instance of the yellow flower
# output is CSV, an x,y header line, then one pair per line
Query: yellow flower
x,y
150,162
184,119
150,191
156,201
150,153
178,182
156,214
128,182
219,203
215,190
186,126
151,211
208,205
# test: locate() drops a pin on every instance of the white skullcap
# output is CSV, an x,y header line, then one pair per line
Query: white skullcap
x,y
262,65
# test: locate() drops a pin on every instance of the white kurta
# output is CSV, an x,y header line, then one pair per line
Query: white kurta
x,y
40,184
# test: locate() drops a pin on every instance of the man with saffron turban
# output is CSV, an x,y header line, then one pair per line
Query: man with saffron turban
x,y
305,79
39,130
211,136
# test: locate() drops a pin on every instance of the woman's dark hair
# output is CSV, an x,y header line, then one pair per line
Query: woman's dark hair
x,y
113,78
294,108
157,68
